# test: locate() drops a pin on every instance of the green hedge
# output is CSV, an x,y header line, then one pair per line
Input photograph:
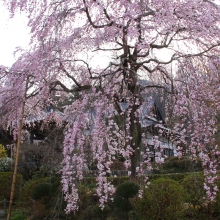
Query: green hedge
x,y
179,165
163,199
114,180
91,181
174,176
193,185
5,185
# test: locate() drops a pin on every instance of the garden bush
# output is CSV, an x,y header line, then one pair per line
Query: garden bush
x,y
183,164
118,180
19,214
163,199
194,188
123,193
84,196
5,164
93,212
5,185
174,176
42,204
40,190
215,207
114,180
54,186
26,191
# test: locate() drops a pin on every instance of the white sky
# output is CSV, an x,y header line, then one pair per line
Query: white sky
x,y
14,33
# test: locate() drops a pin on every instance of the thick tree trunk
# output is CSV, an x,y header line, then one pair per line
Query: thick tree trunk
x,y
134,158
133,165
136,135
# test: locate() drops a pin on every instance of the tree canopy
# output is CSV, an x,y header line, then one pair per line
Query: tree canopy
x,y
150,44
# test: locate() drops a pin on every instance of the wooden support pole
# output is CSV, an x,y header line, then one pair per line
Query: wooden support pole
x,y
17,153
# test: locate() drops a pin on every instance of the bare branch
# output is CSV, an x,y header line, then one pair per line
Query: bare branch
x,y
165,43
76,89
120,48
66,72
89,69
159,86
175,57
90,19
151,12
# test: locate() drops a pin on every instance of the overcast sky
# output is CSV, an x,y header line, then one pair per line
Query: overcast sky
x,y
13,33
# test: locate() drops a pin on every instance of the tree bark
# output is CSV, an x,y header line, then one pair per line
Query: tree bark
x,y
134,156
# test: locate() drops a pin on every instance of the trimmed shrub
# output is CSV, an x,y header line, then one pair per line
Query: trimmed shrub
x,y
18,217
114,180
55,186
216,205
118,214
26,191
194,188
118,180
163,199
84,197
93,212
174,176
41,190
91,186
19,214
89,180
42,204
5,184
123,193
183,164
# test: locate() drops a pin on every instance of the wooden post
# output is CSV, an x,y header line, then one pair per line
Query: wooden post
x,y
17,153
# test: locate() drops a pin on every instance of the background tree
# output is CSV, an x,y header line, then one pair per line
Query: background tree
x,y
156,40
3,152
17,87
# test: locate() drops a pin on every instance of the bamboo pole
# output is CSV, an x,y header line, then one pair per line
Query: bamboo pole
x,y
17,153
